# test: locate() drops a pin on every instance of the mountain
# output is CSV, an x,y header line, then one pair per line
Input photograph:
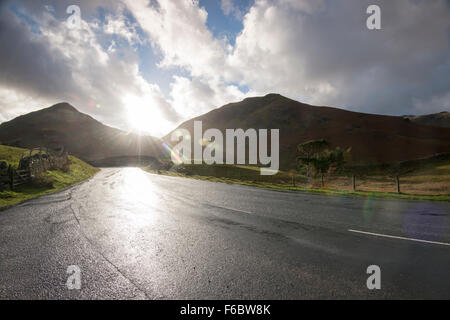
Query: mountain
x,y
441,119
62,125
373,138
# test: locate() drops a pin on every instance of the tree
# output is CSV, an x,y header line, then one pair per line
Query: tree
x,y
308,154
316,155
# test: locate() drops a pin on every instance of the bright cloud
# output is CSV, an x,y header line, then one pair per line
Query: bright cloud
x,y
229,7
318,52
80,70
315,51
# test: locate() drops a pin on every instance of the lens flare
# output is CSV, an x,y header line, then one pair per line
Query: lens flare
x,y
173,154
369,206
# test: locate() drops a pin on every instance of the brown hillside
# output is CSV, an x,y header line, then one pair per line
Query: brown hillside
x,y
373,138
441,119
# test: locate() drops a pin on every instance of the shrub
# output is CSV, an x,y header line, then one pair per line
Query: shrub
x,y
42,181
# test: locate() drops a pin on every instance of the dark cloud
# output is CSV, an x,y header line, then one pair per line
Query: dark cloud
x,y
381,71
316,51
49,62
321,51
27,63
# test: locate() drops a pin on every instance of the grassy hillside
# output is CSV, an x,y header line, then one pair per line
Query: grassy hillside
x,y
50,181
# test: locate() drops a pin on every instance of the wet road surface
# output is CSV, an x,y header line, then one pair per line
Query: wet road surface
x,y
136,235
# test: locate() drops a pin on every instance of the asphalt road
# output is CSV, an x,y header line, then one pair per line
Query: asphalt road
x,y
135,235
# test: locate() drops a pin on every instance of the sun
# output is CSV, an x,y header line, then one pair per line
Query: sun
x,y
143,117
140,119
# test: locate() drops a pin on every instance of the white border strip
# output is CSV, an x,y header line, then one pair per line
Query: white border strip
x,y
401,238
230,209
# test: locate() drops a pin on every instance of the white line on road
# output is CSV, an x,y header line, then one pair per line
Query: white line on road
x,y
401,238
231,209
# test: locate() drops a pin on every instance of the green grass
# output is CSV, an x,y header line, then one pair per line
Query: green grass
x,y
78,172
11,155
53,180
239,172
422,177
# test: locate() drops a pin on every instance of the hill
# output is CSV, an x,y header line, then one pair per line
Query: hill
x,y
374,139
441,119
81,135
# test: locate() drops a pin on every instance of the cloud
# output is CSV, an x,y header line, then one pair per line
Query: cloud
x,y
118,24
178,30
315,51
229,8
438,103
14,102
196,51
195,97
55,63
26,59
319,52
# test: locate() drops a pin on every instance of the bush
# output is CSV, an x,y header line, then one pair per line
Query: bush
x,y
42,181
66,167
164,165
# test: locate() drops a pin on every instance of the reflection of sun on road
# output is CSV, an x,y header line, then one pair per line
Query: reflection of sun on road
x,y
128,215
134,198
138,188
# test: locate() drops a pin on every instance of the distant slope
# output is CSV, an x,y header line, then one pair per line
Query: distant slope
x,y
373,138
83,136
441,119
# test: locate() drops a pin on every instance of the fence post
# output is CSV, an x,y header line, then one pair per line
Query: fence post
x,y
11,177
293,180
397,179
354,183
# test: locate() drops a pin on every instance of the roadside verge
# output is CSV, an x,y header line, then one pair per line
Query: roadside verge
x,y
280,187
50,182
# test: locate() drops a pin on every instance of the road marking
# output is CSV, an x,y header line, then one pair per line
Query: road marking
x,y
226,208
401,238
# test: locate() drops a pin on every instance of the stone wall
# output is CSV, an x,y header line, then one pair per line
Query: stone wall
x,y
42,162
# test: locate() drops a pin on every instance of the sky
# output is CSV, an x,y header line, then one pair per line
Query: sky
x,y
146,66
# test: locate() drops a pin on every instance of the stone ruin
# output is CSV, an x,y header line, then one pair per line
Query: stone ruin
x,y
41,162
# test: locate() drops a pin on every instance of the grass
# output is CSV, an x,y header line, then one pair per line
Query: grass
x,y
429,181
51,181
11,155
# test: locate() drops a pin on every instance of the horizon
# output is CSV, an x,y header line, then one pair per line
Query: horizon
x,y
135,73
179,124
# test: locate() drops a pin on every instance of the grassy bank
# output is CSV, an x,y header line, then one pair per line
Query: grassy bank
x,y
11,155
430,182
51,181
